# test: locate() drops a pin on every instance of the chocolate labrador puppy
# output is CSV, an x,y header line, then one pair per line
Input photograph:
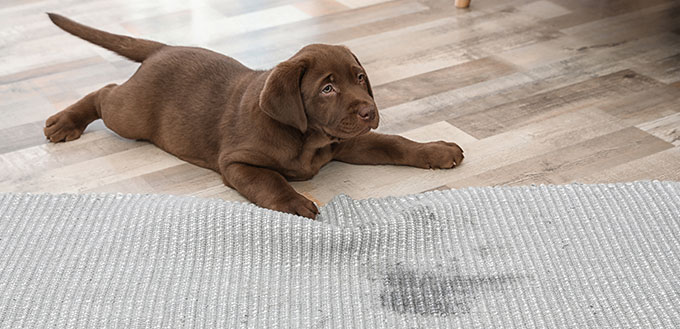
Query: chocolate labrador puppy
x,y
258,129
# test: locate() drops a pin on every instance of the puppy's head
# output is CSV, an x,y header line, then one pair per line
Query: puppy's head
x,y
321,87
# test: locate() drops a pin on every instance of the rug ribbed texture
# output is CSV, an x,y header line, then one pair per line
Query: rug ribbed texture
x,y
572,256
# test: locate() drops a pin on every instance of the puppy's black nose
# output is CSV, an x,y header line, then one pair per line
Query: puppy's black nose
x,y
366,113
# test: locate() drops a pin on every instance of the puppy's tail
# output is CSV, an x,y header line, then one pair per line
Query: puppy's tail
x,y
135,49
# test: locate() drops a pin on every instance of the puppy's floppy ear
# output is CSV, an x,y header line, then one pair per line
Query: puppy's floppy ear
x,y
368,82
281,97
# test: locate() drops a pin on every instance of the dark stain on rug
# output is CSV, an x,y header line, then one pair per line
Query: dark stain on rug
x,y
438,294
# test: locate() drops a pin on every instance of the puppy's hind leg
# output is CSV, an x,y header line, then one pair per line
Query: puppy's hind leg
x,y
70,123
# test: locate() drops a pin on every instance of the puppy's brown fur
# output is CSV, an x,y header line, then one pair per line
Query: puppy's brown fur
x,y
256,128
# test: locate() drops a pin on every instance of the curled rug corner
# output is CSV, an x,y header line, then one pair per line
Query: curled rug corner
x,y
562,256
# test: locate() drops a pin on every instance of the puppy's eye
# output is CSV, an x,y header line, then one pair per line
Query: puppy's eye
x,y
327,89
361,77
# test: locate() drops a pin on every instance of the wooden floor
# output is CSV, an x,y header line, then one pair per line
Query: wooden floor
x,y
536,92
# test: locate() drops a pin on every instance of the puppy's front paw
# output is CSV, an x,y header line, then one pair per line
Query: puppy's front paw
x,y
62,127
439,154
298,205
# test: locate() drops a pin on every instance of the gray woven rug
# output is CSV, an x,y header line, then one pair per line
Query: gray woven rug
x,y
573,256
